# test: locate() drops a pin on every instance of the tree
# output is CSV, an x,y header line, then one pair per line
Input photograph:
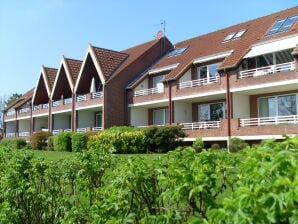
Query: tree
x,y
12,98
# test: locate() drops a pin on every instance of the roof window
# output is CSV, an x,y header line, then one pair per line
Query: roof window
x,y
177,51
282,25
234,35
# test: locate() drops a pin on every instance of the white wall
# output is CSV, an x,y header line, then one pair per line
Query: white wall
x,y
240,106
61,121
186,76
139,117
142,85
24,125
10,127
182,112
40,122
85,118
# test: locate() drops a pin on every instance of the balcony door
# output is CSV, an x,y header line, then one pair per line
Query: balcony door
x,y
160,116
212,111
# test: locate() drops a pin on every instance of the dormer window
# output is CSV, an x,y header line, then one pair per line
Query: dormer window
x,y
234,35
177,51
282,25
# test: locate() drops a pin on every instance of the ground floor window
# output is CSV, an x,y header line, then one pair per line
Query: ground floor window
x,y
98,119
160,116
278,106
212,111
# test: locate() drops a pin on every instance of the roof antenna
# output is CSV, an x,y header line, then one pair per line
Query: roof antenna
x,y
162,33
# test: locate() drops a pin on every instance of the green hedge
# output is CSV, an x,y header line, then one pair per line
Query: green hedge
x,y
14,143
79,141
39,140
50,146
62,141
121,142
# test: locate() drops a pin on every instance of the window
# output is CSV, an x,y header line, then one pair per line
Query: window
x,y
211,112
157,80
98,119
160,117
282,25
177,51
208,71
234,35
277,106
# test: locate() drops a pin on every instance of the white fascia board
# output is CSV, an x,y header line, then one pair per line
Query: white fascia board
x,y
148,103
56,79
212,57
61,111
41,75
198,95
41,115
89,107
68,75
260,137
163,69
272,46
24,118
97,66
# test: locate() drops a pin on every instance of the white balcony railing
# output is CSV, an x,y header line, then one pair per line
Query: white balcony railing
x,y
97,128
81,98
36,108
198,82
56,132
10,135
96,95
67,130
24,110
201,125
45,106
67,101
10,113
263,121
289,66
24,134
56,103
82,130
144,92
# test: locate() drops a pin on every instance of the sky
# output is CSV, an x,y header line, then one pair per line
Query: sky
x,y
39,32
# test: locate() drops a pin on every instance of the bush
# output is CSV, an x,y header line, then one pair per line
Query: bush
x,y
50,146
121,142
215,146
79,141
164,138
62,141
14,143
237,144
198,145
39,140
121,129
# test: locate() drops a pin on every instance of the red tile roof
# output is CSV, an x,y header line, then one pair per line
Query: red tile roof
x,y
50,74
74,67
22,100
212,43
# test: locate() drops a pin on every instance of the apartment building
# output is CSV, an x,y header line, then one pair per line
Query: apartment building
x,y
240,81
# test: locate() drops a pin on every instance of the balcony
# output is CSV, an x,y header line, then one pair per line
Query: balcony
x,y
145,92
89,99
265,121
40,109
198,82
201,125
24,134
289,66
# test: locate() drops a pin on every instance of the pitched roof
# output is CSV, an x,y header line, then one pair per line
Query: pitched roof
x,y
50,74
74,67
22,100
213,43
108,60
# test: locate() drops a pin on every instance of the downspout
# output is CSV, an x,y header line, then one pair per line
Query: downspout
x,y
31,120
50,116
170,103
228,102
17,124
73,112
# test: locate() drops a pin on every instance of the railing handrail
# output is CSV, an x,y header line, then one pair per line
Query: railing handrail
x,y
81,98
67,130
266,70
263,121
81,130
201,125
24,134
198,82
97,128
45,106
10,113
10,135
67,101
56,103
144,92
96,95
24,110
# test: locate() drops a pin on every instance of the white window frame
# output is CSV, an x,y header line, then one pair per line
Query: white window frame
x,y
164,116
208,72
209,114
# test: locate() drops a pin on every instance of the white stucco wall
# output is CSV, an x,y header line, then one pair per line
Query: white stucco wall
x,y
186,76
85,118
60,121
10,126
240,106
24,125
182,112
142,85
139,117
40,122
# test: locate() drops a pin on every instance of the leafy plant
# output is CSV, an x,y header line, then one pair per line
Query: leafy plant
x,y
79,141
198,145
39,140
14,143
237,144
62,141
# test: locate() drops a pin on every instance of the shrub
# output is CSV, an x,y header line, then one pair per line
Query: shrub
x,y
215,146
237,144
39,140
164,138
50,146
121,142
198,145
15,143
79,141
62,141
121,129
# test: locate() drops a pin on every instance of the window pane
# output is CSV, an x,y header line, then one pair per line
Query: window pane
x,y
212,70
284,56
229,36
160,117
264,60
288,23
239,34
287,105
203,72
216,111
204,114
275,27
267,107
157,80
98,120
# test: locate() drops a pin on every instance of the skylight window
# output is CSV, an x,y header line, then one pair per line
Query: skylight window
x,y
177,51
234,35
283,25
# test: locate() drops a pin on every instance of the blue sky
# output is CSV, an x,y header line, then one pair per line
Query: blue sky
x,y
35,32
